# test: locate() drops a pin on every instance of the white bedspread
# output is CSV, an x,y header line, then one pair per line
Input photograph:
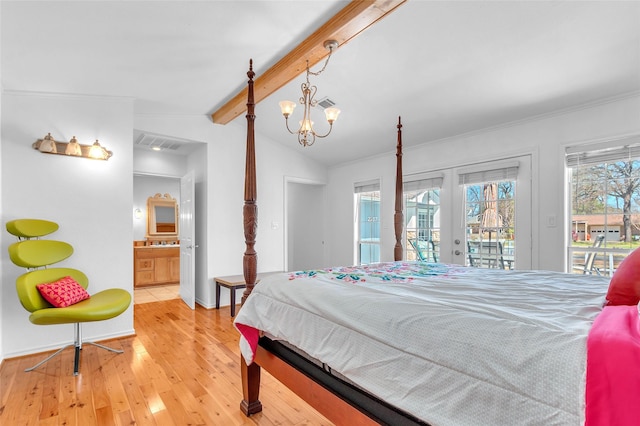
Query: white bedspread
x,y
448,344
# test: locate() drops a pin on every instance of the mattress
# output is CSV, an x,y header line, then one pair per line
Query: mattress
x,y
448,344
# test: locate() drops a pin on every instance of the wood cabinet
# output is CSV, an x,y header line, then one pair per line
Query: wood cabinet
x,y
156,265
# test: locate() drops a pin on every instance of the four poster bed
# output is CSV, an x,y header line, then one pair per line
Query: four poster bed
x,y
429,343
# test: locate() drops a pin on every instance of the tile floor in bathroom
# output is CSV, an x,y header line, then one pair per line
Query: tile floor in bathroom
x,y
156,293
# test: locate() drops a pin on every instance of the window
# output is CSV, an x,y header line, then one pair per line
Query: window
x,y
604,181
422,217
367,201
490,215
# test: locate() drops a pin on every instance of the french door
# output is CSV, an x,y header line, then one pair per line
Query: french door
x,y
491,214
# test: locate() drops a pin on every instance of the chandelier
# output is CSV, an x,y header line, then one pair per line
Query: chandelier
x,y
306,134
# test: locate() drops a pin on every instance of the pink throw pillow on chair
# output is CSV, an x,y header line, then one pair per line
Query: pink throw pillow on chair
x,y
64,292
624,287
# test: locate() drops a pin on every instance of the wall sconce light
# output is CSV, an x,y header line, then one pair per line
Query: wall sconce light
x,y
137,213
72,148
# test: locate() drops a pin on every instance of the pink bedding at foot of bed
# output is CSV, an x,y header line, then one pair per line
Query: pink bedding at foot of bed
x,y
613,368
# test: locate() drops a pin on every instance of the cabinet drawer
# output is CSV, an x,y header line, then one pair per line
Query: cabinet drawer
x,y
144,277
144,264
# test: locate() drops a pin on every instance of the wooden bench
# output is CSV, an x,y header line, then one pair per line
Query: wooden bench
x,y
233,283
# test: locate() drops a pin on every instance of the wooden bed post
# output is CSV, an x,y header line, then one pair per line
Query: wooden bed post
x,y
398,218
250,210
250,373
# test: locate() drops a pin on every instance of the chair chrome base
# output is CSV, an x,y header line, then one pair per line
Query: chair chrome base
x,y
78,347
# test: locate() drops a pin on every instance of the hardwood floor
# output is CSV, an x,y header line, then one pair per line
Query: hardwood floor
x,y
182,368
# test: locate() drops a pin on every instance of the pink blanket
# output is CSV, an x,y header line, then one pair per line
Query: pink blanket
x,y
613,368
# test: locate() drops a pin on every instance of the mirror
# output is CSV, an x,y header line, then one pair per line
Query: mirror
x,y
162,218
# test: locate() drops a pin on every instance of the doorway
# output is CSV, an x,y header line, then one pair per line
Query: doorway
x,y
145,186
304,224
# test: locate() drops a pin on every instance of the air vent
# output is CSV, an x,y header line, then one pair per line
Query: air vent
x,y
151,141
326,103
168,144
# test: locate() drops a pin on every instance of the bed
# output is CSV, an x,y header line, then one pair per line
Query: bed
x,y
431,343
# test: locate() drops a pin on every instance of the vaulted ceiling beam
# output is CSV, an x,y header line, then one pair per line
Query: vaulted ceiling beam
x,y
354,18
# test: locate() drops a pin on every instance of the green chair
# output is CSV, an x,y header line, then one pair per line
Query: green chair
x,y
36,255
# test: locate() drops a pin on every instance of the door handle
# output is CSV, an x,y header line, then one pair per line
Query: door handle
x,y
457,252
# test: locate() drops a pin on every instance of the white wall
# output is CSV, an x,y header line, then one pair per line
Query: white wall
x,y
1,204
90,200
545,138
150,162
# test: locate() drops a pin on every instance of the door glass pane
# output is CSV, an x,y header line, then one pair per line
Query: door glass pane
x,y
368,244
490,225
422,225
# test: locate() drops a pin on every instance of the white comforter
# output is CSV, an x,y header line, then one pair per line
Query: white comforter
x,y
448,344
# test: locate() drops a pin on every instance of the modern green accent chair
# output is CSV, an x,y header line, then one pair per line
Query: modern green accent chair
x,y
36,255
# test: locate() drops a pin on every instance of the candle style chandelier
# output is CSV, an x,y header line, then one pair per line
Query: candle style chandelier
x,y
306,134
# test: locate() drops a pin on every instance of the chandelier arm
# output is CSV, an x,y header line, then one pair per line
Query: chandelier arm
x,y
326,134
286,122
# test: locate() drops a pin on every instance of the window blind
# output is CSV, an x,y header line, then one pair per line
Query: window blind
x,y
494,172
422,181
367,186
605,152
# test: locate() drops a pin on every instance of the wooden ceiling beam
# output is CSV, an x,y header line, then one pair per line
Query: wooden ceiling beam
x,y
353,19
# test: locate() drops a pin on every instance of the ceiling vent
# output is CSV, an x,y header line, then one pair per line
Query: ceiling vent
x,y
168,144
326,103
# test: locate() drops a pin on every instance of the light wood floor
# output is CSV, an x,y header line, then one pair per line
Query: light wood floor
x,y
182,368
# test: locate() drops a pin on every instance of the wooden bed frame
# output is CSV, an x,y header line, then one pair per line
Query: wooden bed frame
x,y
337,400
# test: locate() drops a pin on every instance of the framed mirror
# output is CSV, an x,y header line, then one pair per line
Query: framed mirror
x,y
162,218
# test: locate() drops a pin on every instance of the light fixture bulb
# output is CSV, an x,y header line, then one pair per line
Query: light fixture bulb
x,y
287,107
73,148
331,114
48,144
97,151
306,126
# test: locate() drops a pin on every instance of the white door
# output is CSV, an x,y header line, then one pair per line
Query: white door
x,y
187,240
492,211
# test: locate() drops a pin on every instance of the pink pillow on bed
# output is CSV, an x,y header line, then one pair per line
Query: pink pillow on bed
x,y
64,292
624,288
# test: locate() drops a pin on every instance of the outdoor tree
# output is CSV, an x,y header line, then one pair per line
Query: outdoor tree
x,y
624,182
588,194
608,188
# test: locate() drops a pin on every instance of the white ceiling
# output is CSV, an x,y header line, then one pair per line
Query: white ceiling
x,y
447,67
